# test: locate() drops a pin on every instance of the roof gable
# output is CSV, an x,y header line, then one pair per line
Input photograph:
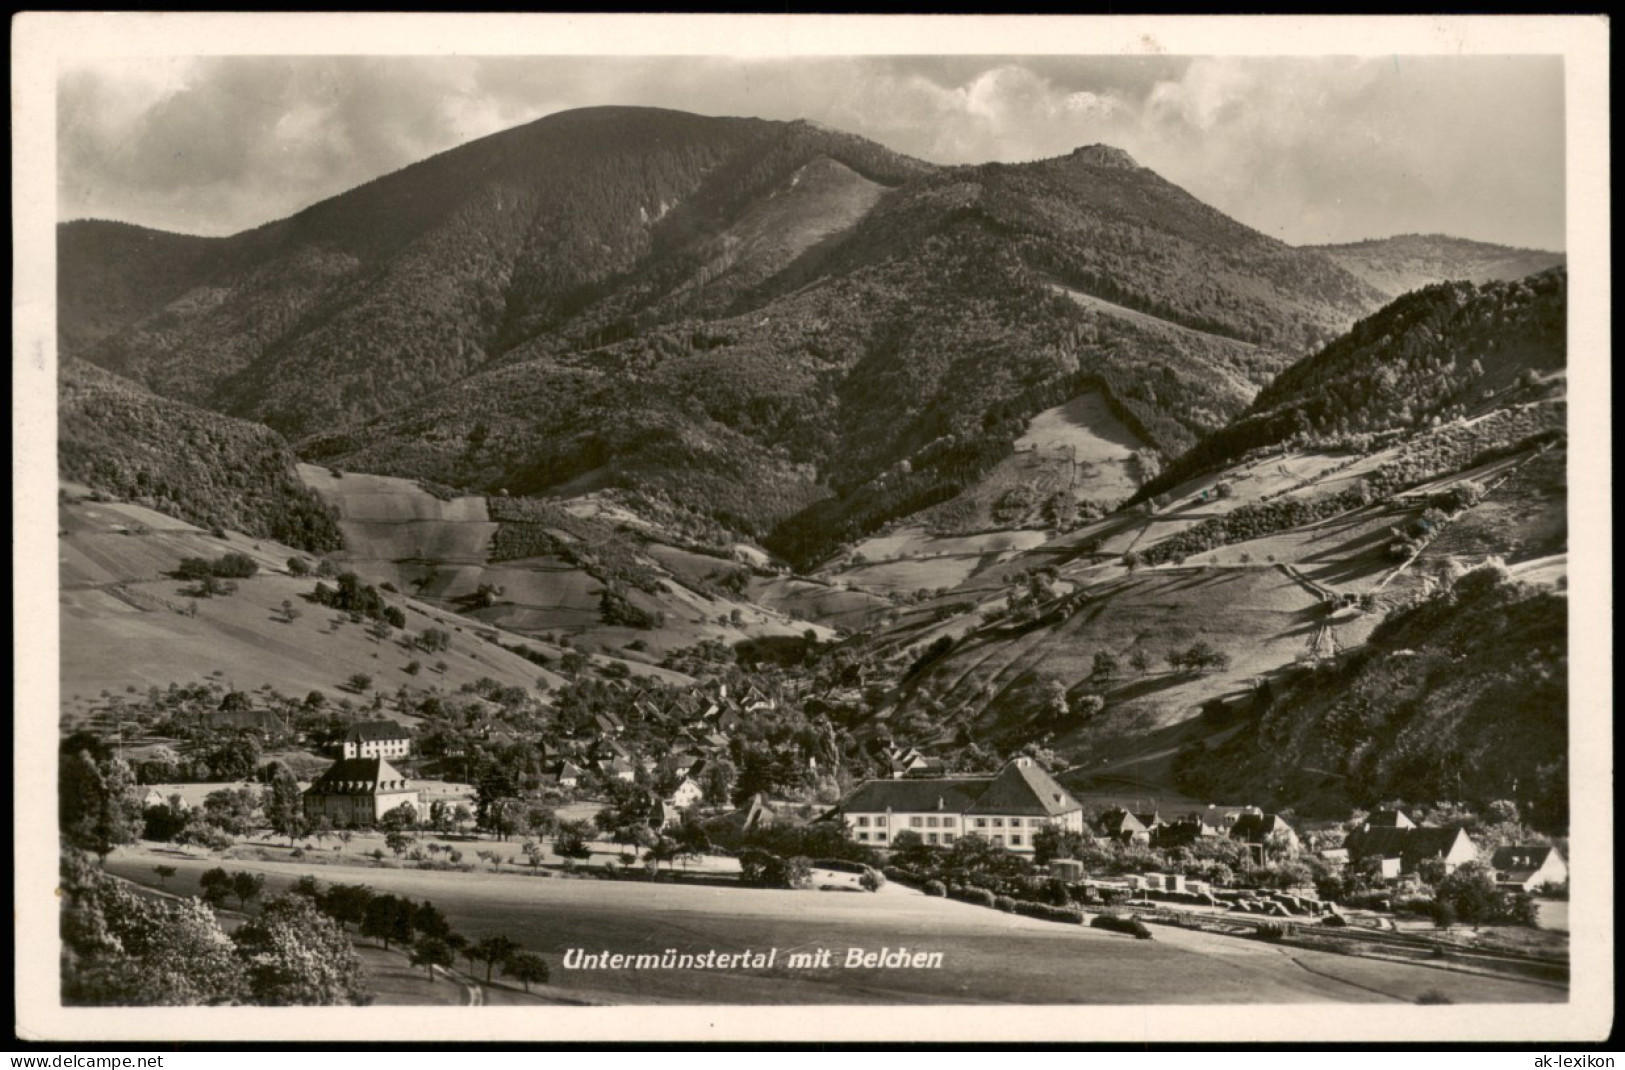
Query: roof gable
x,y
1023,787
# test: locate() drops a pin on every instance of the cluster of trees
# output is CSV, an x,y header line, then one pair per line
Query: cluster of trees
x,y
360,600
205,468
123,949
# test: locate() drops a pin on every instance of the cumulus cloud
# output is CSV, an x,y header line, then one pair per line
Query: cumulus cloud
x,y
1309,150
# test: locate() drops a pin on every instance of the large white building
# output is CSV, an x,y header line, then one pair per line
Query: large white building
x,y
1006,809
377,739
357,792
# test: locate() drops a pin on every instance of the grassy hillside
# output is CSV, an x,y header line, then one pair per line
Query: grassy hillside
x,y
1408,262
129,622
536,569
212,470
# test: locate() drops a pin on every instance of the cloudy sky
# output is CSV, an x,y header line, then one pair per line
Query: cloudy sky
x,y
1307,150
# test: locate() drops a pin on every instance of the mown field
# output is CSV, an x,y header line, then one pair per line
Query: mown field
x,y
988,956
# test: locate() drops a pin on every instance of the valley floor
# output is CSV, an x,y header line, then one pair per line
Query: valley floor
x,y
988,956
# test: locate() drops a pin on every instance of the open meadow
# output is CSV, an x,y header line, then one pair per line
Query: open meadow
x,y
988,956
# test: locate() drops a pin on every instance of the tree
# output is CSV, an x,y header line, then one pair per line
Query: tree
x,y
573,839
717,781
527,968
346,903
298,566
1470,893
97,807
164,873
216,885
909,851
398,841
122,949
400,818
246,886
358,682
432,951
495,805
663,849
388,917
1105,664
285,804
494,950
297,956
1139,660
1088,706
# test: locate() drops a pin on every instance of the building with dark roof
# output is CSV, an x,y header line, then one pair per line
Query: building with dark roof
x,y
1006,809
357,791
1396,849
377,739
1529,868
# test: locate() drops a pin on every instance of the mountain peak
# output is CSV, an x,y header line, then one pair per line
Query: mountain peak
x,y
1100,155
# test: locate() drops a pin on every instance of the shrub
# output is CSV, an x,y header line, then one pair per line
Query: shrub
x,y
934,888
872,880
1271,931
1004,903
1334,921
1118,923
979,896
1046,911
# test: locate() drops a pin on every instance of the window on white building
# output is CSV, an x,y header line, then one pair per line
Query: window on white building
x,y
947,837
863,822
930,837
916,822
880,822
863,835
1015,841
930,822
880,837
981,822
998,822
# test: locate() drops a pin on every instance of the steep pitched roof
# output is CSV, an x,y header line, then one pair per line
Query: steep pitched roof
x,y
375,732
1256,828
1024,787
1118,822
1521,859
952,795
358,776
1410,845
1021,787
1389,819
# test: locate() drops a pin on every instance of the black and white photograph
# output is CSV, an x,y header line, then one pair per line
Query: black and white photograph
x,y
936,528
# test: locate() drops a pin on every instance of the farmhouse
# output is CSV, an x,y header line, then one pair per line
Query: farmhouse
x,y
377,739
357,791
1397,845
1260,831
686,794
1529,868
1124,827
1006,809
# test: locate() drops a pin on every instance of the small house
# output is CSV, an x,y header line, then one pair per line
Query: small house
x,y
1529,868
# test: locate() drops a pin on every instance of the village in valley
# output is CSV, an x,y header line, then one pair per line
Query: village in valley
x,y
721,785
640,556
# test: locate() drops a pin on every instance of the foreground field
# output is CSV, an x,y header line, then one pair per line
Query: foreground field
x,y
987,956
